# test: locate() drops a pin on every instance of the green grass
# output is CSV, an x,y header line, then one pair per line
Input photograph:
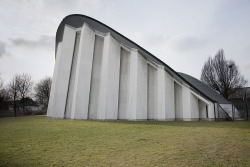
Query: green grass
x,y
38,141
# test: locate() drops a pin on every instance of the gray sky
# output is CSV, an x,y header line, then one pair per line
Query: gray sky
x,y
182,33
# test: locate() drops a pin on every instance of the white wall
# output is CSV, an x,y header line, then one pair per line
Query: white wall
x,y
96,77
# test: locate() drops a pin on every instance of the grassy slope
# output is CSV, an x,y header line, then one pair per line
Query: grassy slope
x,y
38,141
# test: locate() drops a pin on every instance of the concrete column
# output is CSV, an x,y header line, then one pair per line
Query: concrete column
x,y
202,110
96,77
124,84
80,102
53,86
194,108
137,87
165,95
141,109
152,92
217,111
71,87
160,113
170,97
178,102
109,81
62,74
211,111
186,95
133,86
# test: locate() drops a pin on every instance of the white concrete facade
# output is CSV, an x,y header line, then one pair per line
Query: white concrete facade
x,y
97,77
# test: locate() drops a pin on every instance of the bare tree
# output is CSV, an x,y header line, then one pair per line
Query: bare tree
x,y
1,89
1,83
24,86
222,75
4,94
13,92
42,91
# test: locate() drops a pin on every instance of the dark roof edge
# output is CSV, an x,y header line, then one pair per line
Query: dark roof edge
x,y
72,15
208,87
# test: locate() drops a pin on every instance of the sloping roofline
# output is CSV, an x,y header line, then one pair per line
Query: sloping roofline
x,y
205,89
77,20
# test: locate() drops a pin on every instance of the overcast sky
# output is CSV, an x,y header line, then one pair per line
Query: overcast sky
x,y
182,33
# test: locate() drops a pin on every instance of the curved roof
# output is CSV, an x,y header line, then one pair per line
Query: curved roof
x,y
205,89
77,20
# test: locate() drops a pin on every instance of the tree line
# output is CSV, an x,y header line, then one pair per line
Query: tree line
x,y
21,87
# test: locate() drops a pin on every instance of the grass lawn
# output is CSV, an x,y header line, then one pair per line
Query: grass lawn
x,y
38,141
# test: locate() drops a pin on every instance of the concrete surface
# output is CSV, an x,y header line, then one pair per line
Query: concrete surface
x,y
96,77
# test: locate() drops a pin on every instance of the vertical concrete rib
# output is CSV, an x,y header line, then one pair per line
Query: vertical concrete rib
x,y
109,81
124,84
194,108
178,102
211,110
141,109
151,92
161,96
62,74
80,101
96,77
50,111
186,99
165,95
169,92
71,88
131,114
202,110
137,87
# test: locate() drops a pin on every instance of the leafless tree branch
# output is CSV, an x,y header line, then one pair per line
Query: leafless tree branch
x,y
42,91
222,75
